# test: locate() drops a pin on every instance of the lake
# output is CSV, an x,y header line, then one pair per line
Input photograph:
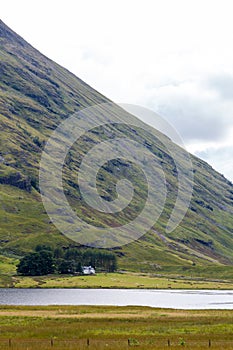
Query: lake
x,y
176,299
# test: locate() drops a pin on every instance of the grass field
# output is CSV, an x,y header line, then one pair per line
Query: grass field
x,y
94,327
115,280
200,277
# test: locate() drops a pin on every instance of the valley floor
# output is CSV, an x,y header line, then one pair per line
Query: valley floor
x,y
115,280
98,327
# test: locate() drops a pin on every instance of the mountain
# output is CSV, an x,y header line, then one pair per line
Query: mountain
x,y
36,95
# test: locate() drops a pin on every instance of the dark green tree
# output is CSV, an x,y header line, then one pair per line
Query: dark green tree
x,y
73,254
36,264
68,266
58,253
40,247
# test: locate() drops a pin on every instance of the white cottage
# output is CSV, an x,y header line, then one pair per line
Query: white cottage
x,y
88,270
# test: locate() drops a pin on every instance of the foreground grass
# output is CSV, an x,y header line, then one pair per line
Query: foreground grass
x,y
115,280
74,327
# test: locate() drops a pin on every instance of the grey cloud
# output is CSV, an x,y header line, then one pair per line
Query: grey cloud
x,y
222,84
95,55
221,159
194,121
202,115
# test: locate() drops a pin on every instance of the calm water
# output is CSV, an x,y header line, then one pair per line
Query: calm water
x,y
178,299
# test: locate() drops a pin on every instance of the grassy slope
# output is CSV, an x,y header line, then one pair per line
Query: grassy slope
x,y
35,95
111,327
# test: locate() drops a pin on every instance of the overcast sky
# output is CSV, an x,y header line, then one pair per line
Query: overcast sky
x,y
174,57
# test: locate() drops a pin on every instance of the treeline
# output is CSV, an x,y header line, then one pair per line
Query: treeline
x,y
46,260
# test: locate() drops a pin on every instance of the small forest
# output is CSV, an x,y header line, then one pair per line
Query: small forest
x,y
46,260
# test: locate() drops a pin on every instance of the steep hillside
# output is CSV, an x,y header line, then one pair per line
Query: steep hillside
x,y
36,94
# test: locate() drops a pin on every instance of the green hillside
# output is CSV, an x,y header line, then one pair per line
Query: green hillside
x,y
36,94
